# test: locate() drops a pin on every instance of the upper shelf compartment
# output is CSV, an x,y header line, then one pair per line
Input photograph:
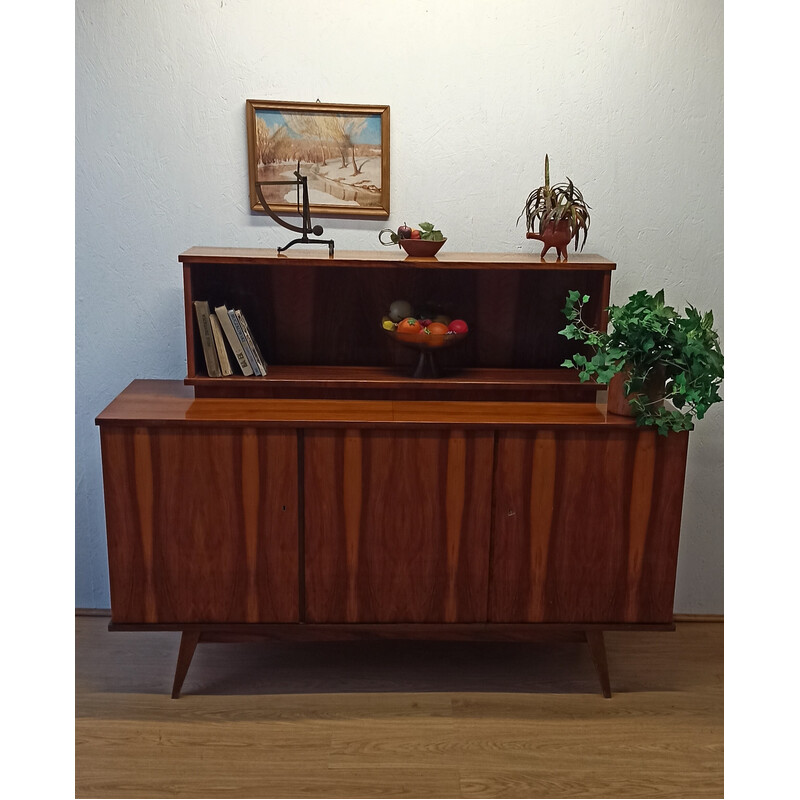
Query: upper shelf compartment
x,y
318,321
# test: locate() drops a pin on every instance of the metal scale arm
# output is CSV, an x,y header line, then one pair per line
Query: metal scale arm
x,y
307,226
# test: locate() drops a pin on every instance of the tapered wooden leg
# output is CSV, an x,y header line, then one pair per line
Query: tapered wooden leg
x,y
597,646
189,640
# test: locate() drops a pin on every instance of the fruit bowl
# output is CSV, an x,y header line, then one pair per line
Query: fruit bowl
x,y
427,341
421,248
427,344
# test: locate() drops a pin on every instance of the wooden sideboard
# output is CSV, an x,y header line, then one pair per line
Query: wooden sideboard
x,y
339,498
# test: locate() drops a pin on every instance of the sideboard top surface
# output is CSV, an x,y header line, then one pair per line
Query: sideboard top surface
x,y
164,402
394,257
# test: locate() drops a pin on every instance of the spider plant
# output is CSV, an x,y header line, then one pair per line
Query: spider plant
x,y
552,204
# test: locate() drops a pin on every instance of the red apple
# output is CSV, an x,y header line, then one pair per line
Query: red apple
x,y
458,326
404,232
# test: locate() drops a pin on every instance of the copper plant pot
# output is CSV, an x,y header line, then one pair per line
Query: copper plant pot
x,y
619,402
554,234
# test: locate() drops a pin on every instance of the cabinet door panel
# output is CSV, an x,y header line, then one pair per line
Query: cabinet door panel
x,y
202,524
397,525
586,526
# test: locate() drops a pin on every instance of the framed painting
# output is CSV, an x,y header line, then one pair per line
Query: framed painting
x,y
342,150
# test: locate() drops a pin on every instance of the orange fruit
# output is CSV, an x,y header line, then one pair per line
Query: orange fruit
x,y
408,325
437,328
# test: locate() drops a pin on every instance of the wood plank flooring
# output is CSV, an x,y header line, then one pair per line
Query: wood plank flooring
x,y
399,719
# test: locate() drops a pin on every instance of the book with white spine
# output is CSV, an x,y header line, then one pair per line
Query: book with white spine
x,y
233,339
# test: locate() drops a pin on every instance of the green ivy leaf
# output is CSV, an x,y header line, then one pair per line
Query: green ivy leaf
x,y
568,332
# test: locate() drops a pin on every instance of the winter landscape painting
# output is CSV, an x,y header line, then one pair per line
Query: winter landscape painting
x,y
343,150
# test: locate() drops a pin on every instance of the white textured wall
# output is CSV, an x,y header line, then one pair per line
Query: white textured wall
x,y
625,96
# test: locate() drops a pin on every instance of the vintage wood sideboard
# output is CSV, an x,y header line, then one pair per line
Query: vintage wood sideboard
x,y
338,497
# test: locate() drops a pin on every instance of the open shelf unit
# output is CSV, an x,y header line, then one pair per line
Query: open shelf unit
x,y
317,321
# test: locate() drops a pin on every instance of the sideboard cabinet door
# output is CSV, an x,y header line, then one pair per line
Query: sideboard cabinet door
x,y
202,524
586,526
397,525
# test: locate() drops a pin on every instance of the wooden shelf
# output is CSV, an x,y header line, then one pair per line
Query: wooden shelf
x,y
392,257
355,377
157,402
396,383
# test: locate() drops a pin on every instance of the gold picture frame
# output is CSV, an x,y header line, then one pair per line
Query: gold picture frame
x,y
343,150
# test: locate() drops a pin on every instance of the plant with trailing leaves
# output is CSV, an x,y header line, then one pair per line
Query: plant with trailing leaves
x,y
555,203
648,338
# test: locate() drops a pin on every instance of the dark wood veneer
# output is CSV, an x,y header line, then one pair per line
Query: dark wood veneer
x,y
586,526
203,524
397,525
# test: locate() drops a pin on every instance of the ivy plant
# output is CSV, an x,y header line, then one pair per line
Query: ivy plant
x,y
647,338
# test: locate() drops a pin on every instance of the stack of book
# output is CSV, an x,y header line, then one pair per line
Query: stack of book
x,y
226,328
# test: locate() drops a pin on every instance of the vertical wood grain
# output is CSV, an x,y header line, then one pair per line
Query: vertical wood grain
x,y
290,313
189,316
202,524
456,482
644,464
660,563
352,499
542,500
604,301
126,563
497,290
423,517
251,502
143,462
586,526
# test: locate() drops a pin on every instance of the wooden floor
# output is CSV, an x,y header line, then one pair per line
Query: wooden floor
x,y
399,719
